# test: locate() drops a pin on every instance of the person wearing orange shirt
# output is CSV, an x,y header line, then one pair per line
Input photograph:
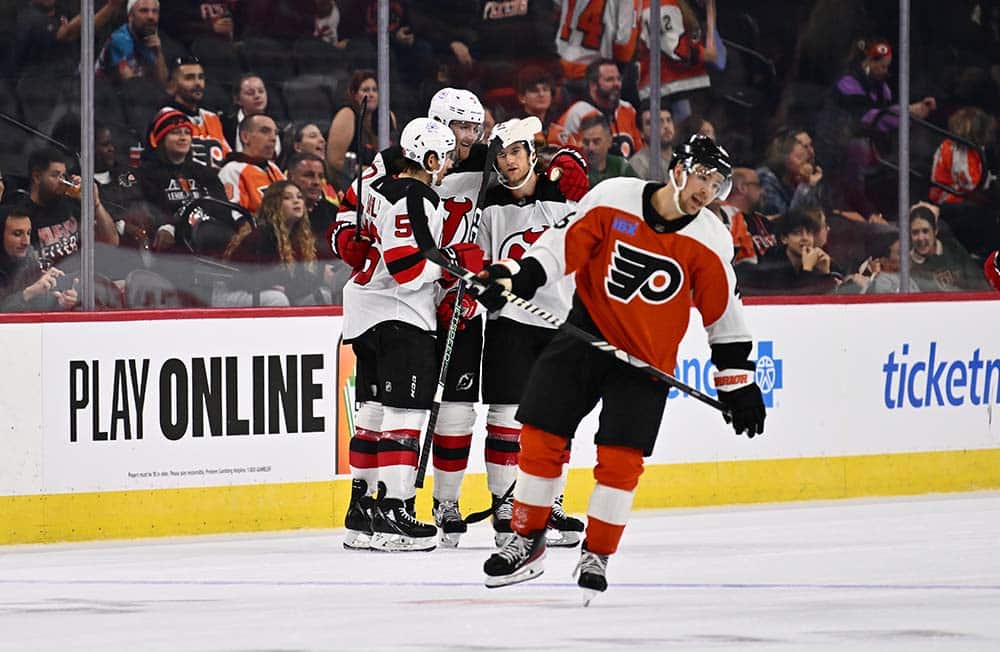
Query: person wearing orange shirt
x,y
247,174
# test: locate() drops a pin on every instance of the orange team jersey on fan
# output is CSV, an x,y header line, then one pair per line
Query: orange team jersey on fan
x,y
208,140
681,64
624,129
596,29
245,181
958,167
733,218
638,283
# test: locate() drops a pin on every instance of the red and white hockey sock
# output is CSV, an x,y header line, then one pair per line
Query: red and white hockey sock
x,y
363,449
503,436
538,481
452,440
617,473
398,450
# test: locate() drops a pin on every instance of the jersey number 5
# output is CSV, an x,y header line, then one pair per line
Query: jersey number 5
x,y
590,22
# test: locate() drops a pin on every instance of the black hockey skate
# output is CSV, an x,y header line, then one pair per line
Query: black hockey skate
x,y
358,520
503,508
395,530
591,573
519,560
448,519
564,531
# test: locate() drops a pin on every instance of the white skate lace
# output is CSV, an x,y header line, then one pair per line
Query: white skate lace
x,y
592,563
515,549
447,510
557,509
504,510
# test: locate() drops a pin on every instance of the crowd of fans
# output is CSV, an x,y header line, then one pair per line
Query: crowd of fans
x,y
227,133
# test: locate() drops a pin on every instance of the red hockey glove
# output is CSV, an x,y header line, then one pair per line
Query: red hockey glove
x,y
467,309
992,270
344,245
740,394
464,254
569,168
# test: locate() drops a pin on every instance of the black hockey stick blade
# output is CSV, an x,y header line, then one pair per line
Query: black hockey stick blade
x,y
438,258
475,517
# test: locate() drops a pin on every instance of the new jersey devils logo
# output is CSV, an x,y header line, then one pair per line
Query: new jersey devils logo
x,y
514,246
635,271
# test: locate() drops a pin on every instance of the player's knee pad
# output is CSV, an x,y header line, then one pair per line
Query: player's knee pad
x,y
618,466
503,416
369,416
455,419
542,453
394,418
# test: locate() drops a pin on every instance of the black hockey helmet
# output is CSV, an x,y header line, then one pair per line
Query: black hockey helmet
x,y
703,151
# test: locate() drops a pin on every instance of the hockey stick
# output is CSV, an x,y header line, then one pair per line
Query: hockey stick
x,y
436,257
456,317
361,126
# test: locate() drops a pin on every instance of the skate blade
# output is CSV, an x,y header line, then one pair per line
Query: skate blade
x,y
355,540
450,539
384,542
562,538
529,572
588,595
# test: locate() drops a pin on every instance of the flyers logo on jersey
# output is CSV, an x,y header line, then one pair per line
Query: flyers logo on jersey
x,y
657,279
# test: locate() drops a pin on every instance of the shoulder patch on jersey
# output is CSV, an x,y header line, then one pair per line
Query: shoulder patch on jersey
x,y
625,225
633,271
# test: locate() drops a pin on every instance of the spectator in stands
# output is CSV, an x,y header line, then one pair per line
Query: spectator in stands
x,y
277,260
134,49
307,138
247,174
54,209
450,28
534,87
939,264
186,85
789,177
249,98
120,190
307,172
604,86
741,213
595,138
46,38
694,124
189,20
640,161
342,141
619,31
879,273
24,286
328,23
171,177
513,35
957,165
798,267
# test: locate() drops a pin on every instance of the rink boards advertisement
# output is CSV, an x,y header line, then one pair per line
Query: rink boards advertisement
x,y
235,423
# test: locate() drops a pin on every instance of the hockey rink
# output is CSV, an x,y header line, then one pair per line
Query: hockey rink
x,y
919,573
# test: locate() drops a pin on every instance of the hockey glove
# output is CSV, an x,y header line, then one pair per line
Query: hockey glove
x,y
569,169
466,309
468,255
743,400
992,270
345,246
522,278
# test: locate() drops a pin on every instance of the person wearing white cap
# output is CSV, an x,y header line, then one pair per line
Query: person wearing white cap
x,y
134,49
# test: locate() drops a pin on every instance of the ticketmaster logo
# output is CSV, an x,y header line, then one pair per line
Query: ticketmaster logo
x,y
697,372
929,381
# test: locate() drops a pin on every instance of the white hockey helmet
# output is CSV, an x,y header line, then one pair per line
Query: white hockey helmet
x,y
451,104
518,130
423,136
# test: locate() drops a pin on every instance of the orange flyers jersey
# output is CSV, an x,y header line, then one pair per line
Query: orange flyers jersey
x,y
958,167
245,182
596,29
637,283
733,218
681,66
624,127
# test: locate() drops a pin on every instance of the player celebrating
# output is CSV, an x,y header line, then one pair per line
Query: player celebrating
x,y
389,318
642,254
516,214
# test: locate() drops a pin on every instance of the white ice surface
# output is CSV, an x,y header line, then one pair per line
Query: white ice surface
x,y
903,574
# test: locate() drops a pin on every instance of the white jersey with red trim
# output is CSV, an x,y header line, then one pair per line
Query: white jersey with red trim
x,y
638,275
596,29
397,283
508,229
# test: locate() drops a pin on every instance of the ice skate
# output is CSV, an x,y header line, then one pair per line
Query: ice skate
x,y
590,574
394,530
519,560
448,519
358,520
503,508
564,531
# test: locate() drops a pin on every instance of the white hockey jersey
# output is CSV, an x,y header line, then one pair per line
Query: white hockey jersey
x,y
509,227
397,283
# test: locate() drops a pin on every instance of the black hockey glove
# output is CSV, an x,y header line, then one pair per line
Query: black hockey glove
x,y
522,278
743,400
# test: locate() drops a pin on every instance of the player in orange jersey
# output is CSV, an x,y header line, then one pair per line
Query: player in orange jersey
x,y
642,254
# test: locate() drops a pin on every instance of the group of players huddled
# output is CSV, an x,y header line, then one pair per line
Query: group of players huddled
x,y
624,261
